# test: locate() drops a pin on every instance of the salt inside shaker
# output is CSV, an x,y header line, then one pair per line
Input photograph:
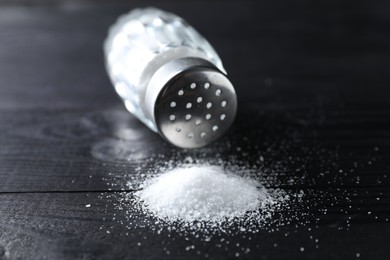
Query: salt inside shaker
x,y
170,77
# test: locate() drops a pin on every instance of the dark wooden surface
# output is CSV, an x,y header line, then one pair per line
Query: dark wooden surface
x,y
314,100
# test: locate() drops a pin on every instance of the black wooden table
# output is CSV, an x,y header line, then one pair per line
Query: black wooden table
x,y
312,80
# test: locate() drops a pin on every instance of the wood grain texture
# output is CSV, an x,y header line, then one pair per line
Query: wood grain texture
x,y
59,226
314,103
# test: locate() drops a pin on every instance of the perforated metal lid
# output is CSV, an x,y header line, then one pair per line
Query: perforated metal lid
x,y
196,106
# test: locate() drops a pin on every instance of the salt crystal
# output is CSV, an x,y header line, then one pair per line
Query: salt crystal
x,y
202,193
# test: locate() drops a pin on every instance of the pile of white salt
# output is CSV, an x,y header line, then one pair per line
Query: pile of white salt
x,y
206,194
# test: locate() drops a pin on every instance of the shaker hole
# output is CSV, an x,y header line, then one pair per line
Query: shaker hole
x,y
208,116
215,128
199,99
209,105
188,117
181,92
223,103
202,135
172,117
178,129
190,135
222,117
173,104
218,92
193,85
189,105
198,121
206,85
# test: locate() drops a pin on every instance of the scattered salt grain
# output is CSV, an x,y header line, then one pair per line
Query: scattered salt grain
x,y
289,157
88,205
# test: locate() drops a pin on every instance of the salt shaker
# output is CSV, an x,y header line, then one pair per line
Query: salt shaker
x,y
170,77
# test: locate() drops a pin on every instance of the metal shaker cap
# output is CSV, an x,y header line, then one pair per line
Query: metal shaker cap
x,y
192,102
